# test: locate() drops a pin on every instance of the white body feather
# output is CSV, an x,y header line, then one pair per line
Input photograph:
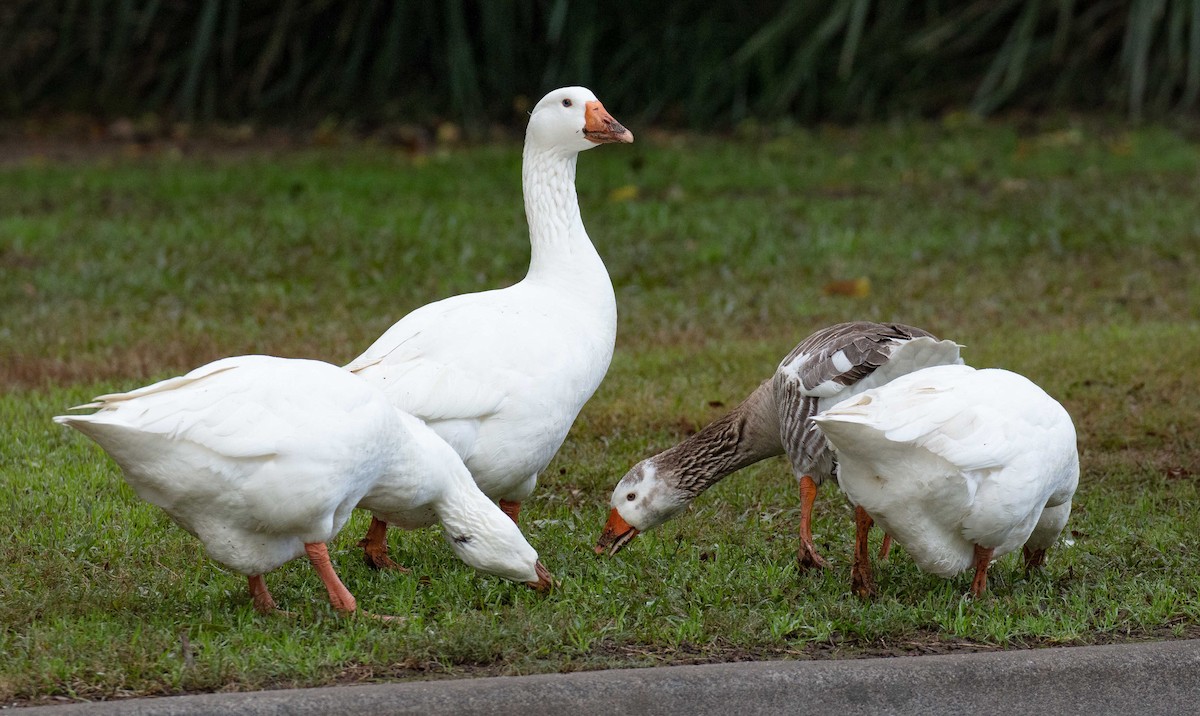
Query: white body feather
x,y
951,457
257,456
254,455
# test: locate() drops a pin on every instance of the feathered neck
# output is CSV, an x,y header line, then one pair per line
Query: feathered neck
x,y
560,247
745,435
460,504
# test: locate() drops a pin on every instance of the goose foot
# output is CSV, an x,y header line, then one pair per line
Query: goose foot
x,y
983,558
512,509
1034,558
263,602
807,555
374,546
862,583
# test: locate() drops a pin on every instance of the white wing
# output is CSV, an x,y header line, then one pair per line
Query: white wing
x,y
431,363
241,407
976,420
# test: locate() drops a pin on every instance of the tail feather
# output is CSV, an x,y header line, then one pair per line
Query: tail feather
x,y
162,386
96,403
913,355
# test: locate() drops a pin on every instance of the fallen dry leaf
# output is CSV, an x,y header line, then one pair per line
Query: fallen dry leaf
x,y
855,287
629,192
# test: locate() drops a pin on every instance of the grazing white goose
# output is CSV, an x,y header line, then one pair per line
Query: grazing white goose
x,y
500,375
960,466
830,365
263,459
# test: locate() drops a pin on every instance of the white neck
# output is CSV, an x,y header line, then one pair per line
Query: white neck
x,y
452,493
461,504
560,247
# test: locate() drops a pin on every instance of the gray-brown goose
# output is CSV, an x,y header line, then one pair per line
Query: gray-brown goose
x,y
831,365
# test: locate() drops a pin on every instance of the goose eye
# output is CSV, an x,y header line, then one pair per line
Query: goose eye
x,y
566,103
631,496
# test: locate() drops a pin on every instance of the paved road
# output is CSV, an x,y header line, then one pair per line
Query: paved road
x,y
1153,678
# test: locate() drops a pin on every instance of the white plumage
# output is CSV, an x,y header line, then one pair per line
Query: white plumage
x,y
501,375
960,466
264,458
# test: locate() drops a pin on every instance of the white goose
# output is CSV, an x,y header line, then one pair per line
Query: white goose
x,y
960,466
829,366
264,458
501,375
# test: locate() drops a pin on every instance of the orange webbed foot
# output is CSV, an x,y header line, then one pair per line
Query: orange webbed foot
x,y
375,549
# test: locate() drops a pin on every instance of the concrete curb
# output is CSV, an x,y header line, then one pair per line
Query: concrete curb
x,y
1158,677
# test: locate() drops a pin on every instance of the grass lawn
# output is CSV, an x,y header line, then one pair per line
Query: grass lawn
x,y
1068,252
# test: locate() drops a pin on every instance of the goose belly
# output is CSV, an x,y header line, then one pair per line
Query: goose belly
x,y
922,508
254,513
939,514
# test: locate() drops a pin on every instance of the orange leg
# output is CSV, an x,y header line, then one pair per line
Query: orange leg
x,y
861,581
983,557
807,554
512,509
1034,558
885,547
375,550
261,595
340,597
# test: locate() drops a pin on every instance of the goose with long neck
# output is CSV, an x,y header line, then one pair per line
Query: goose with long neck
x,y
826,368
501,375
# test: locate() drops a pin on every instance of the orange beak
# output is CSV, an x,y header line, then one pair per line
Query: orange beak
x,y
600,127
617,534
544,581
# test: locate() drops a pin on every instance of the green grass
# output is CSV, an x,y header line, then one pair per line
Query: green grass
x,y
1068,253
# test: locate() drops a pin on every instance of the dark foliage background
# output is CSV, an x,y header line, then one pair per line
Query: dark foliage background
x,y
689,63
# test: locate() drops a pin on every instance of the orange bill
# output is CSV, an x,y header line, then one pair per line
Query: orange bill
x,y
544,581
617,534
600,127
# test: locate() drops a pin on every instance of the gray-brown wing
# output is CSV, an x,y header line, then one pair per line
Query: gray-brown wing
x,y
844,354
821,366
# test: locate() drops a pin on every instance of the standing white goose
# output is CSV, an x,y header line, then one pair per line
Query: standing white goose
x,y
263,459
501,375
829,366
960,466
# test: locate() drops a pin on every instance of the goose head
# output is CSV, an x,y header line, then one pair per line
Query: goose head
x,y
495,546
647,496
572,118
